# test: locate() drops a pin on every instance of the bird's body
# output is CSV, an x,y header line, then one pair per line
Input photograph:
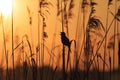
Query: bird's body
x,y
65,40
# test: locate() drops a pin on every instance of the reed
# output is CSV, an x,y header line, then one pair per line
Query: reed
x,y
12,36
44,10
5,49
103,38
33,64
34,69
115,31
107,17
25,70
92,23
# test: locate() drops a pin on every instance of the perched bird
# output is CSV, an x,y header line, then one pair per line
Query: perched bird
x,y
65,41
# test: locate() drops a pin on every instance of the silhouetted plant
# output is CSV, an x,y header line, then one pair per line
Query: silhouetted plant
x,y
25,70
65,41
119,52
44,10
2,74
43,5
96,24
104,36
111,41
78,30
116,17
33,63
77,40
12,35
70,14
114,29
92,22
30,23
34,69
5,49
60,11
30,15
105,44
109,2
66,13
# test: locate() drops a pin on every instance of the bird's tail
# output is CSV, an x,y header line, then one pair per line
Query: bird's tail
x,y
69,47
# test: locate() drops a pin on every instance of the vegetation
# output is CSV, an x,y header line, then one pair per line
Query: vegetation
x,y
91,55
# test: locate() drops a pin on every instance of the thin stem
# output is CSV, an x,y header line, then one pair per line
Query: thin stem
x,y
78,17
110,64
84,39
63,55
43,47
105,43
39,38
62,17
118,45
12,43
65,18
63,51
114,38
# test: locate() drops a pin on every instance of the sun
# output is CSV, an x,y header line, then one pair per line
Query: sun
x,y
5,7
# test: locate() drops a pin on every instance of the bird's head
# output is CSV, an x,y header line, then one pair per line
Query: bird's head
x,y
62,33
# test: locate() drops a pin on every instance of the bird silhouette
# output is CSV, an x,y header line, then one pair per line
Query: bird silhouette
x,y
65,41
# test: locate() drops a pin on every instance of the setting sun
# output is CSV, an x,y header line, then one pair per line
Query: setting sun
x,y
5,7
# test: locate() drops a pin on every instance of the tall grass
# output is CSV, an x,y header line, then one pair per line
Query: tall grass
x,y
105,44
25,70
66,13
32,71
118,31
12,36
38,47
44,10
60,10
109,27
5,49
77,39
83,6
92,23
70,16
115,31
33,62
119,53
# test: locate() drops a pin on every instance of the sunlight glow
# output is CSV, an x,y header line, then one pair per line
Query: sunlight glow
x,y
5,7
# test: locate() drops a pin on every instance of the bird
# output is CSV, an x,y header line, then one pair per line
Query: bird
x,y
65,41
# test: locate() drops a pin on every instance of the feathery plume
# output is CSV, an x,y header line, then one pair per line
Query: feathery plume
x,y
70,8
110,2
